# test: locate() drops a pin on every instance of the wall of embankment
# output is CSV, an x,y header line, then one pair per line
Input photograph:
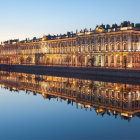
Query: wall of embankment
x,y
132,76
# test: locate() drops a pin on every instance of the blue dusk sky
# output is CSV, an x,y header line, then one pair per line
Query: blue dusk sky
x,y
29,18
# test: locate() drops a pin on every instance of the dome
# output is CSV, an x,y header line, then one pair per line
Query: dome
x,y
99,29
44,38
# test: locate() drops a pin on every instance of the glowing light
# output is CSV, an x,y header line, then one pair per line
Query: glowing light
x,y
44,38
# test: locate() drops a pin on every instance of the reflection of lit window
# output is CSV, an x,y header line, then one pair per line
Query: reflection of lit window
x,y
113,94
136,47
107,93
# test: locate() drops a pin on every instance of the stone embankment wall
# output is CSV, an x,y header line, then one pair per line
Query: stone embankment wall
x,y
86,73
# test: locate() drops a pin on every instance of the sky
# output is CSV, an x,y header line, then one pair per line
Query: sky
x,y
20,19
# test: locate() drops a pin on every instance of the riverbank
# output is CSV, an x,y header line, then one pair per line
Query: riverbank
x,y
112,75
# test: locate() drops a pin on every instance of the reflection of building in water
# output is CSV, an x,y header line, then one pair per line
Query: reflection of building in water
x,y
104,97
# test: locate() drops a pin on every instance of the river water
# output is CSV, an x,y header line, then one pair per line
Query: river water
x,y
44,107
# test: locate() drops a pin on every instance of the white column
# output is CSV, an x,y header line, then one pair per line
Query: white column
x,y
109,60
109,49
129,42
85,60
96,44
139,44
115,46
96,60
130,61
102,45
121,61
102,60
121,43
115,61
76,60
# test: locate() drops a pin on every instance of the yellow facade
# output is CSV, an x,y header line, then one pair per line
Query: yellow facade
x,y
99,48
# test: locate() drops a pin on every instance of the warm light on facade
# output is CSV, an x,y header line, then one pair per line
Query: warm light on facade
x,y
100,48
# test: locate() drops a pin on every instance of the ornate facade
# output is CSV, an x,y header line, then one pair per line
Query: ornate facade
x,y
116,47
103,97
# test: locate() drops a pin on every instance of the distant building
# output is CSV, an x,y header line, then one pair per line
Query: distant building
x,y
105,46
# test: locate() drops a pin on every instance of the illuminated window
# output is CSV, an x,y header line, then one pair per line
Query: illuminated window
x,y
106,47
133,59
99,59
99,47
118,38
112,59
112,46
118,47
125,47
106,60
112,39
136,46
118,59
92,41
83,42
106,39
125,37
79,42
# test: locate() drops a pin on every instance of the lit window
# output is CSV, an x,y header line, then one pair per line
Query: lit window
x,y
106,46
118,59
118,47
112,59
112,47
125,47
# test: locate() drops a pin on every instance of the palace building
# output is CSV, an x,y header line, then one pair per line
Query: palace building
x,y
116,46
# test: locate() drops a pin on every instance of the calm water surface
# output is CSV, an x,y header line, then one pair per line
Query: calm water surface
x,y
34,107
